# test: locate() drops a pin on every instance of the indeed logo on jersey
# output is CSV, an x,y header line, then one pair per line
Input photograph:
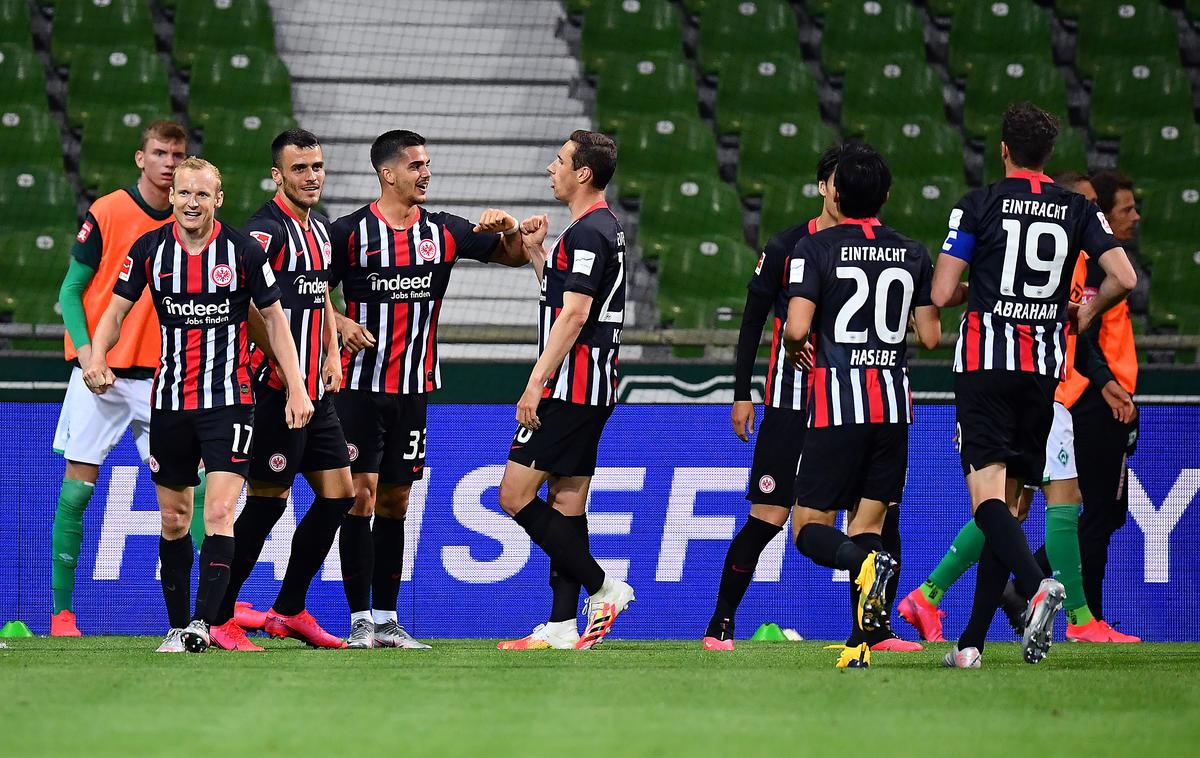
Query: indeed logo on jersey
x,y
198,313
402,287
314,287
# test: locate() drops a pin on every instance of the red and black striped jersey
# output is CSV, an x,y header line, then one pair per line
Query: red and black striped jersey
x,y
865,279
1021,237
393,281
202,300
588,258
301,259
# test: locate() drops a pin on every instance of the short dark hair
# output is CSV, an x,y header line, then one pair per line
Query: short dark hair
x,y
388,145
164,130
1070,179
596,151
1107,184
296,138
1030,133
834,153
862,180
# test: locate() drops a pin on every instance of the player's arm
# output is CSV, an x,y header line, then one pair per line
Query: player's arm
x,y
510,252
948,288
803,291
70,301
799,324
97,375
1119,281
929,325
754,316
1090,361
331,368
279,337
354,336
568,324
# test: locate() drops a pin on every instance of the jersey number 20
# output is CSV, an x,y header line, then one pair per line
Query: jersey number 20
x,y
862,291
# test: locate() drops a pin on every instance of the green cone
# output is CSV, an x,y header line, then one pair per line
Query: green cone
x,y
769,633
15,629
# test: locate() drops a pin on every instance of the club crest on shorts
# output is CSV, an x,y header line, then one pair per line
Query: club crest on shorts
x,y
154,464
222,275
427,250
352,451
766,484
277,462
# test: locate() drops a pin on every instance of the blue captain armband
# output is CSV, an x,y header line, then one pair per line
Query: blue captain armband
x,y
959,244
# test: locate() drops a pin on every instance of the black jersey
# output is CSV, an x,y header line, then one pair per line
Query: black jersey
x,y
1021,237
300,258
865,280
589,258
202,300
394,281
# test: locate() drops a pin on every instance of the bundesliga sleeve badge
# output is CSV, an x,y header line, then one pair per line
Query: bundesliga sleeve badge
x,y
263,238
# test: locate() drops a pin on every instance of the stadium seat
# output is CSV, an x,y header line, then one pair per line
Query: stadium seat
x,y
32,267
990,30
765,88
688,206
1192,8
1127,30
26,80
243,139
856,32
920,208
113,25
891,87
29,138
221,25
1156,154
241,82
780,151
633,88
916,148
655,149
947,8
36,198
994,85
731,31
1070,154
614,28
108,143
108,80
15,28
786,204
245,190
1126,94
702,281
1170,224
1173,289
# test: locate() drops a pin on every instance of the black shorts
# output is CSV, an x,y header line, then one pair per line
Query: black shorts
x,y
841,465
385,433
567,442
1004,417
280,453
181,440
776,453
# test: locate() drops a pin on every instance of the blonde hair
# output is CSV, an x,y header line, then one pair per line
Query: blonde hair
x,y
192,163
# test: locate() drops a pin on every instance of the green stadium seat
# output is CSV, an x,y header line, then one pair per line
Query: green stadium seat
x,y
1192,8
765,87
238,81
1170,224
733,31
36,198
702,282
633,88
920,208
220,25
687,206
786,204
243,139
109,80
1071,9
891,87
655,149
995,85
916,148
613,28
245,190
1124,29
29,138
856,32
990,30
575,7
1070,154
113,25
1127,94
25,80
1156,154
780,151
108,143
32,267
1173,288
948,8
15,28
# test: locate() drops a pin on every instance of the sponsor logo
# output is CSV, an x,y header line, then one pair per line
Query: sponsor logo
x,y
766,484
154,464
427,250
306,286
352,451
221,275
126,267
277,462
400,283
369,253
236,459
84,231
761,258
166,274
195,309
263,238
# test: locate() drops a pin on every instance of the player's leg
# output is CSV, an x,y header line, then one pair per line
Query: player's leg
x,y
889,542
920,607
197,525
175,452
362,416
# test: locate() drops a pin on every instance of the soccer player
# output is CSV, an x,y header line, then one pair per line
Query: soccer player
x,y
202,277
393,259
1018,236
571,391
853,288
90,425
295,239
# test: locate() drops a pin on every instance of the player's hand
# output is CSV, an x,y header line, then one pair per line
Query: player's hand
x,y
743,419
534,228
354,336
527,407
493,220
331,372
99,377
1081,316
299,410
1119,401
802,358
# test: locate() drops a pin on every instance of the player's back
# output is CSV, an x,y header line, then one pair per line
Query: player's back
x,y
785,383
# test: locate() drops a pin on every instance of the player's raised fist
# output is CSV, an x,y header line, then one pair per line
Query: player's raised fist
x,y
494,220
534,228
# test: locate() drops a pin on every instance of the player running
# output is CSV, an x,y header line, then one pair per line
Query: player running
x,y
202,277
295,239
853,288
1018,236
90,426
571,391
393,260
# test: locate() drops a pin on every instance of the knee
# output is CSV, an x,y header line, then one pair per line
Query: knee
x,y
175,523
219,511
393,503
511,498
364,500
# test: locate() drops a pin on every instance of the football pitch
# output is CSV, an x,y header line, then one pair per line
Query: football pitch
x,y
113,696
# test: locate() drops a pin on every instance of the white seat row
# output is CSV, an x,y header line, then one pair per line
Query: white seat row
x,y
474,13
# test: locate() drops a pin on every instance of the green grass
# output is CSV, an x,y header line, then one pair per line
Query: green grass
x,y
113,696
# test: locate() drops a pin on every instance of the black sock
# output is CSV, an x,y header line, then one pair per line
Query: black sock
x,y
1043,561
387,540
891,545
990,578
1003,533
216,556
358,560
830,548
553,533
564,587
869,542
176,557
310,545
740,561
250,531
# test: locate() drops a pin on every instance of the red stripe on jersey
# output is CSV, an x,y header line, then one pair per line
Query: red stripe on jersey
x,y
243,376
315,328
971,339
1025,346
195,271
450,248
400,247
1036,179
862,223
191,369
820,396
580,369
347,356
399,338
560,258
812,224
774,357
431,347
874,396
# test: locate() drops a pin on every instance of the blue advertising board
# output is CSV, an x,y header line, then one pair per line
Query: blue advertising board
x,y
667,497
